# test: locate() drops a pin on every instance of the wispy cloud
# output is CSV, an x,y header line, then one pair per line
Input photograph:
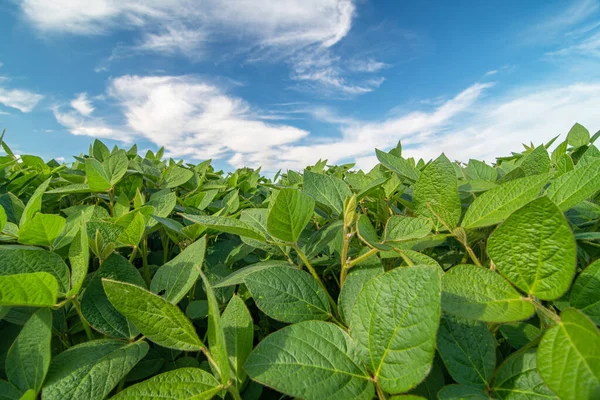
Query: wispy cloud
x,y
82,104
23,100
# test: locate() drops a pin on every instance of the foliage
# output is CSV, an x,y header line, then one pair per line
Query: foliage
x,y
136,277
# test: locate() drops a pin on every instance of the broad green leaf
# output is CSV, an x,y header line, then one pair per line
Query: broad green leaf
x,y
163,202
98,179
432,384
156,318
8,391
575,186
257,218
98,310
495,205
116,166
578,136
237,277
34,205
468,350
176,176
585,293
327,190
476,186
478,293
288,294
573,345
197,309
535,249
226,224
559,151
564,165
518,378
74,188
100,151
519,334
460,392
37,289
91,370
68,233
480,171
28,358
79,258
175,278
238,329
400,228
134,231
354,283
289,214
394,322
537,162
435,194
3,218
366,232
313,360
216,336
41,230
397,165
180,384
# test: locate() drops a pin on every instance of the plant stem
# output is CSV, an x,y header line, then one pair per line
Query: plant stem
x,y
380,394
234,392
546,311
146,268
359,259
111,202
315,275
404,257
344,256
86,326
133,254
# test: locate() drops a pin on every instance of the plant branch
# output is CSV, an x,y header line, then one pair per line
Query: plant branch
x,y
86,326
315,275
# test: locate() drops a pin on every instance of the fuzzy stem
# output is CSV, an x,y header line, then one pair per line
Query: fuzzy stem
x,y
315,275
86,326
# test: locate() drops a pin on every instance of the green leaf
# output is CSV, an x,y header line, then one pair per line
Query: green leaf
x,y
518,378
432,384
478,293
237,277
100,151
3,218
91,370
180,384
226,224
585,293
74,188
366,232
176,176
460,392
257,219
8,391
289,214
28,358
38,289
288,294
535,249
238,329
435,193
537,162
216,336
327,190
34,205
397,165
578,136
98,310
480,171
79,257
400,228
197,309
116,166
353,285
468,350
313,360
564,165
573,345
394,322
575,186
495,205
134,232
98,179
41,230
177,277
519,334
156,318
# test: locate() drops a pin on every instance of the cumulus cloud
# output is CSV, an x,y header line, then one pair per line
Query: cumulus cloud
x,y
82,104
23,100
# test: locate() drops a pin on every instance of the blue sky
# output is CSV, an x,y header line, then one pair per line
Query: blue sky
x,y
284,83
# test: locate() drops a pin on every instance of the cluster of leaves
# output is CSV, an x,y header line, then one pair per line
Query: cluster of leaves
x,y
135,277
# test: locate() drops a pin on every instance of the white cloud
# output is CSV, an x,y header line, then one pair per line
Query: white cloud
x,y
369,65
82,104
23,100
492,72
80,125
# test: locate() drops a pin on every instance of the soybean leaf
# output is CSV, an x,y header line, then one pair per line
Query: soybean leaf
x,y
353,285
8,391
257,218
24,259
288,294
535,249
432,384
400,228
394,322
478,293
225,224
572,345
518,377
495,205
578,136
289,214
37,289
197,309
460,392
176,176
312,351
327,190
468,350
435,193
180,384
134,231
237,277
116,166
156,318
585,293
575,186
41,230
28,358
519,334
98,179
91,370
3,218
98,310
34,205
238,329
397,165
537,162
177,276
366,232
79,257
479,170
